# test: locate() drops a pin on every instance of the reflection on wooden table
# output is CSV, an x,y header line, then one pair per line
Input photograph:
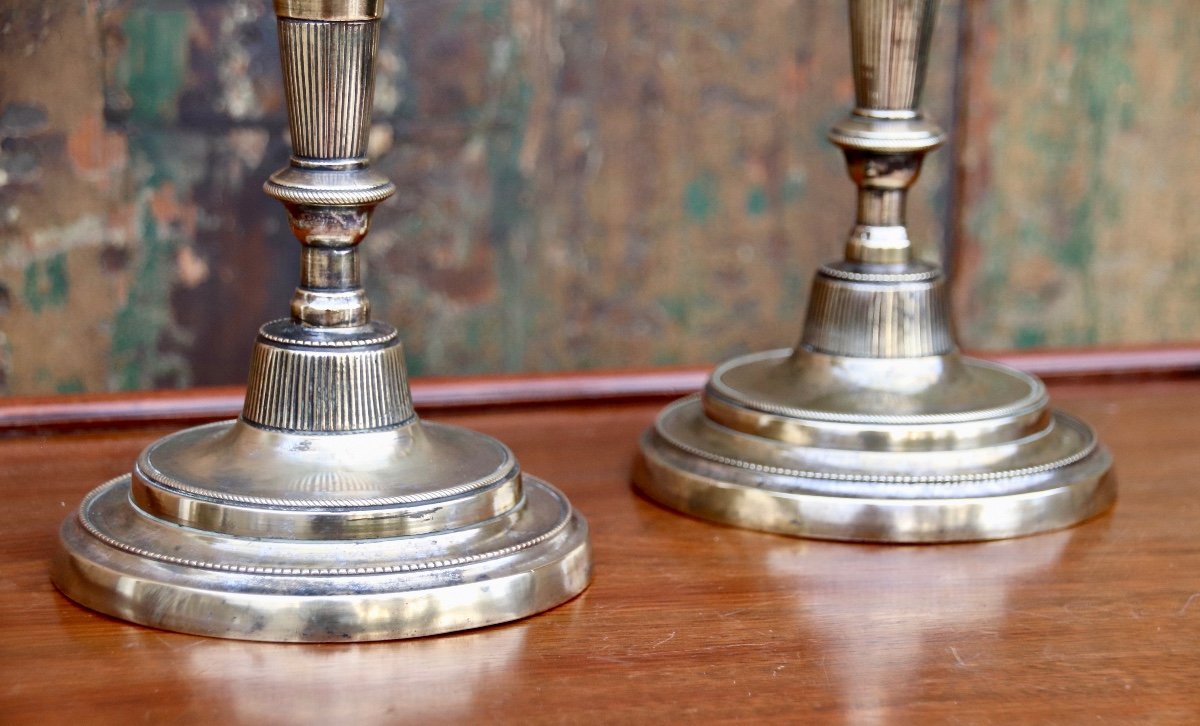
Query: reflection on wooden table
x,y
685,619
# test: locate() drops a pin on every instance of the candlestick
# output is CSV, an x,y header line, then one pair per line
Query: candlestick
x,y
874,427
328,511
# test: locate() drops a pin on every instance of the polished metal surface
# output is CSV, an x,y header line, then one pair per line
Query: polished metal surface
x,y
328,511
874,427
329,9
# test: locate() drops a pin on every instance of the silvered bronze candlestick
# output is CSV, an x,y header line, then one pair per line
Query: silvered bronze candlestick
x,y
327,511
874,427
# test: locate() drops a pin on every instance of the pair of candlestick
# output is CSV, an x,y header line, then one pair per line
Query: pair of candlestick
x,y
329,512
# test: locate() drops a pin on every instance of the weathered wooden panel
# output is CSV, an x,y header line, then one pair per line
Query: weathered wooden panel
x,y
1079,220
60,221
653,186
585,183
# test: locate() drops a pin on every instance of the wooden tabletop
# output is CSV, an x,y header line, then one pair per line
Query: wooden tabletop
x,y
685,619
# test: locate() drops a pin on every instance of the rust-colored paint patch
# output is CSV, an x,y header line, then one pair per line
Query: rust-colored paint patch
x,y
97,153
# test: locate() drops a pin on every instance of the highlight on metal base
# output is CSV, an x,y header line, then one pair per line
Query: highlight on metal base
x,y
328,511
874,427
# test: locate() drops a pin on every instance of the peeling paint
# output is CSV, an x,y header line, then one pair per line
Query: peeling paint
x,y
700,198
1074,202
584,183
756,201
155,61
46,283
97,153
136,358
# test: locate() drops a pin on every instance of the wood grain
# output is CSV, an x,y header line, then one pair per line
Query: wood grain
x,y
685,620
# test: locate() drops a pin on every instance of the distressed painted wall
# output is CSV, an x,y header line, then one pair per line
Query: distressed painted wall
x,y
585,183
1080,225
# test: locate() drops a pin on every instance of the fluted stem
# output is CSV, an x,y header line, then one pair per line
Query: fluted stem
x,y
886,137
327,50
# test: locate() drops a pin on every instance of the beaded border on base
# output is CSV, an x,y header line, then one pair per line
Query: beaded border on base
x,y
91,529
923,276
946,479
300,342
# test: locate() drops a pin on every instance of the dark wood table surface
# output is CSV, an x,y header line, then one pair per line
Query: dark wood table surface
x,y
685,621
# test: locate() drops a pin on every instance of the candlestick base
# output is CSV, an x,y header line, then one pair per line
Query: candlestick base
x,y
119,561
874,428
327,512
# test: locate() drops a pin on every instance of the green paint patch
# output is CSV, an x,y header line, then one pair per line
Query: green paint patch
x,y
489,11
154,66
494,10
73,384
756,201
1077,249
1029,338
46,283
700,198
414,363
508,229
144,322
137,324
676,308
